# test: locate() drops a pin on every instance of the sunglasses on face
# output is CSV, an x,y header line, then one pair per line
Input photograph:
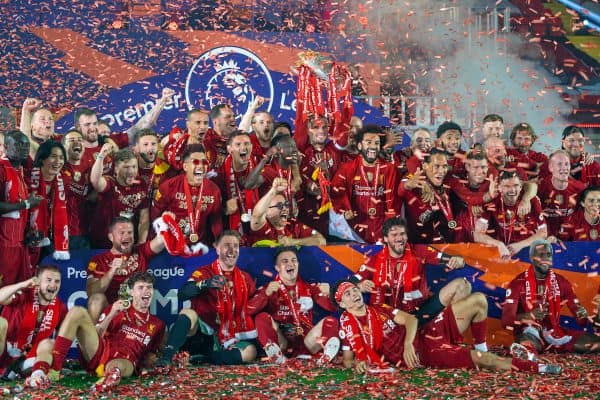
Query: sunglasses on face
x,y
196,161
281,205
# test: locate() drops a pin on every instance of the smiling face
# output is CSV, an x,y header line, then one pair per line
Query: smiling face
x,y
421,141
49,285
510,189
141,295
436,169
228,251
369,147
147,148
52,165
278,212
225,124
42,124
352,299
195,167
591,204
88,126
476,171
574,144
240,149
126,171
396,240
286,266
495,151
73,142
263,126
121,237
493,129
318,131
450,140
541,260
560,167
523,141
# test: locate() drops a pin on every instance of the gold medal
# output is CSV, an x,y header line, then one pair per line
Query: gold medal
x,y
372,211
452,224
194,238
299,330
593,234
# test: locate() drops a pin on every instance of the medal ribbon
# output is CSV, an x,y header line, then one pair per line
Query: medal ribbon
x,y
193,212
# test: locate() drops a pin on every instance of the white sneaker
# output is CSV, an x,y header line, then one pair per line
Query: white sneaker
x,y
517,350
329,351
274,353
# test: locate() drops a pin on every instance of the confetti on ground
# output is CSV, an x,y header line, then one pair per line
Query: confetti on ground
x,y
302,380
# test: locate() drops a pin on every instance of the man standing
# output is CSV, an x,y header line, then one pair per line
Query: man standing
x,y
322,158
532,307
219,323
522,138
15,203
32,312
284,314
573,142
194,200
559,192
584,223
431,216
126,338
375,338
78,188
153,170
215,139
109,270
122,195
240,195
363,190
449,136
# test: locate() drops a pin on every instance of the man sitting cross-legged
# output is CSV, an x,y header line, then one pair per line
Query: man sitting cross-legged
x,y
284,314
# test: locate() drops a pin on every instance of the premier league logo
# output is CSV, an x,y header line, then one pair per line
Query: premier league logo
x,y
229,75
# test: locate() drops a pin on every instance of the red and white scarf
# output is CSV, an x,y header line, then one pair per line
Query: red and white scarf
x,y
384,277
15,189
551,295
34,329
232,308
175,147
301,289
57,206
364,343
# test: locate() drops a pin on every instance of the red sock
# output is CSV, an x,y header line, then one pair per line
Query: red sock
x,y
525,365
330,328
264,327
41,365
479,331
61,348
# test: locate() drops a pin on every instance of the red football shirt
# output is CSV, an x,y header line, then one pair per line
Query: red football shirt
x,y
138,260
171,196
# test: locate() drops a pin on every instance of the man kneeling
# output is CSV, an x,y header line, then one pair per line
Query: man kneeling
x,y
126,337
284,314
379,337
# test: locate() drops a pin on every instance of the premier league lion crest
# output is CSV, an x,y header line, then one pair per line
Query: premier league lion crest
x,y
229,75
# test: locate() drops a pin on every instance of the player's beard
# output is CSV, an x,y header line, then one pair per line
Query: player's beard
x,y
147,158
